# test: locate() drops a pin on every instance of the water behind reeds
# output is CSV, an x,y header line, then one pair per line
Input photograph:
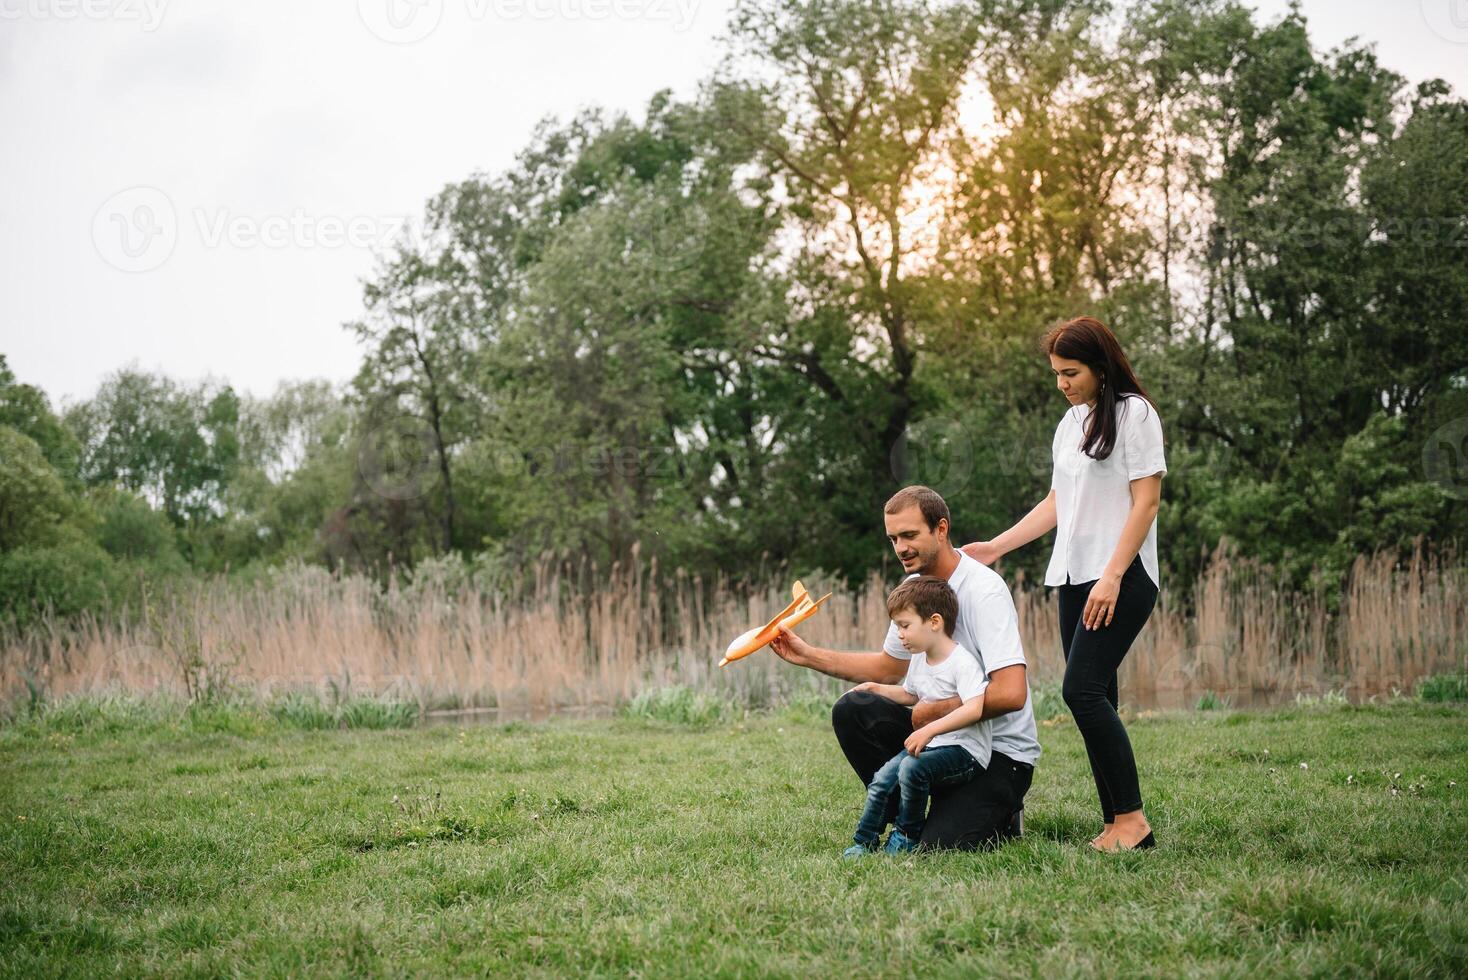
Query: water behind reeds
x,y
556,642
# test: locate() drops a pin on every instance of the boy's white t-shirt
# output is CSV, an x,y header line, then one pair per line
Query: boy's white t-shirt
x,y
959,674
987,627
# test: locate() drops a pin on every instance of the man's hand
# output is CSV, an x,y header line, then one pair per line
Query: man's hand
x,y
927,712
982,551
791,648
918,740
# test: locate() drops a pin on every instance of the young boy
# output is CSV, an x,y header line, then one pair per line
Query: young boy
x,y
946,752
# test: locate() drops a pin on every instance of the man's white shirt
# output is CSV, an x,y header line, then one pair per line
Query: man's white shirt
x,y
988,627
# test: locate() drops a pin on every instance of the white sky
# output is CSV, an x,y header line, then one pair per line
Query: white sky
x,y
287,138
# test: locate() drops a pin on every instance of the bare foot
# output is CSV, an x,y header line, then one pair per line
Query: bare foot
x,y
1103,839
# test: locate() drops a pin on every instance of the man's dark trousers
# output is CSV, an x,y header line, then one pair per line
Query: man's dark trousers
x,y
983,811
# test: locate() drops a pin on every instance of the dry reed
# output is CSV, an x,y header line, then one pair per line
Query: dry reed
x,y
559,641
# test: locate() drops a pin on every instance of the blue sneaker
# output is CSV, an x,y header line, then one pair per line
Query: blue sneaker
x,y
856,851
899,843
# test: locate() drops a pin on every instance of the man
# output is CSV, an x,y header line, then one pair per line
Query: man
x,y
871,729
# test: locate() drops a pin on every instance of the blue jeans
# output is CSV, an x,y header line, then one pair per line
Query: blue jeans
x,y
913,777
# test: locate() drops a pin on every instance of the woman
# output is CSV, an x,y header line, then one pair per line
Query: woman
x,y
1104,493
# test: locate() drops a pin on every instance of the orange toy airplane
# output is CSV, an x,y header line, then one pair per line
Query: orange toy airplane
x,y
799,610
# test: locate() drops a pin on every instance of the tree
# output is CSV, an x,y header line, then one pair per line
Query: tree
x,y
845,105
1303,340
33,500
178,446
26,409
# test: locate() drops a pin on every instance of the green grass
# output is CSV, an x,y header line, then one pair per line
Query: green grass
x,y
1321,841
1444,687
681,705
123,713
1212,702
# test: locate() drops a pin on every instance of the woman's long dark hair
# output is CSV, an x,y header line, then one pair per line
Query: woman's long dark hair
x,y
1087,339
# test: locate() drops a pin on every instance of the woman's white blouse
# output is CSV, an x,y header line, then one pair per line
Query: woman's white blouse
x,y
1093,497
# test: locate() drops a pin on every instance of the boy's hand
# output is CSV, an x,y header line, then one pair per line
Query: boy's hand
x,y
918,741
872,686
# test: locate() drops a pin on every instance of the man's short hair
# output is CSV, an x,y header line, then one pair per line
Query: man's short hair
x,y
925,595
928,500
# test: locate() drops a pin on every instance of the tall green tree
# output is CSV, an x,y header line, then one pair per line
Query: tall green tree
x,y
33,499
177,445
1306,363
27,410
846,106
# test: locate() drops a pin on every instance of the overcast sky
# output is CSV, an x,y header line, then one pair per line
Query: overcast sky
x,y
197,186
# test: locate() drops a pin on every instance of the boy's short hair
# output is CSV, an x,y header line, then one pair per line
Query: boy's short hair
x,y
925,595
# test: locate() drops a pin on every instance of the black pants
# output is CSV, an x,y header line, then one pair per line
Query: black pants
x,y
1092,658
872,729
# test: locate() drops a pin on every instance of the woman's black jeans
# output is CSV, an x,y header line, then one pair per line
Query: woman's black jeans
x,y
1092,658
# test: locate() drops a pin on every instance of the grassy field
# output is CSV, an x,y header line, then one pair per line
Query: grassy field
x,y
1305,841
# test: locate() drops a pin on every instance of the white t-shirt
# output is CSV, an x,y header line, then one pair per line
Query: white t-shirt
x,y
987,627
959,674
1094,496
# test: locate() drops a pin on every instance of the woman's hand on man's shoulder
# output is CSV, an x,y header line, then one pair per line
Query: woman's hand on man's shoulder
x,y
981,551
